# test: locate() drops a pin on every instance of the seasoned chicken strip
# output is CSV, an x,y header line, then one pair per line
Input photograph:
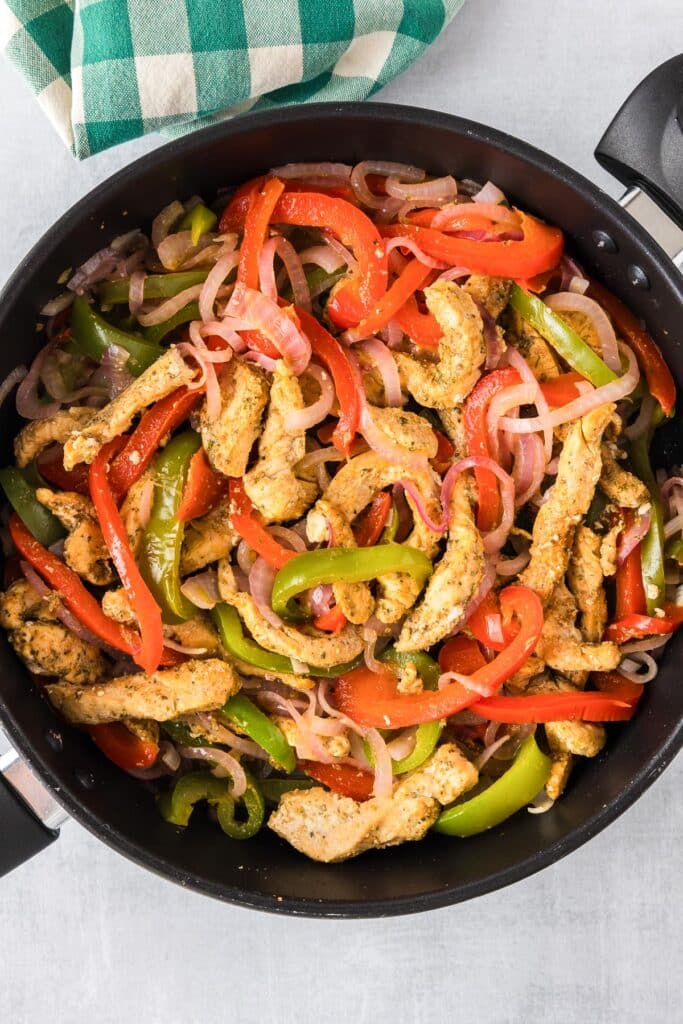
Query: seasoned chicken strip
x,y
84,549
569,737
334,746
454,582
620,486
166,694
454,425
585,580
320,651
561,645
560,770
38,435
410,431
169,372
529,343
207,539
197,633
462,350
115,605
135,508
354,487
229,438
568,501
20,603
354,599
492,293
50,649
272,484
332,828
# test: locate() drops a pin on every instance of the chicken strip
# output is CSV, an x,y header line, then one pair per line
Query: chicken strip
x,y
21,603
354,599
115,605
529,343
321,651
333,746
197,634
442,383
567,502
492,293
229,438
585,580
50,649
561,645
569,737
84,549
455,580
620,486
354,487
169,372
166,694
135,508
407,429
453,423
332,828
560,770
207,539
272,484
38,435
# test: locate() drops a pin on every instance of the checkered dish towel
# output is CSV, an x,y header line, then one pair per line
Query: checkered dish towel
x,y
109,70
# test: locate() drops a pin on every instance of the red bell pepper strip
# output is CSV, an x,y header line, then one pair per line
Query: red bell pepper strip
x,y
147,611
483,627
371,522
235,212
141,447
422,328
261,205
587,706
371,698
73,593
539,250
658,375
204,488
630,591
123,747
467,220
617,686
51,466
635,627
476,408
562,390
248,523
340,778
328,350
332,621
443,460
412,277
461,654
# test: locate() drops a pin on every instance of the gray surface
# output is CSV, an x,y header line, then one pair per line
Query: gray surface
x,y
86,936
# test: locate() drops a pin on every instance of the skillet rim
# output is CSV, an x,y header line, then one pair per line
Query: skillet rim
x,y
189,147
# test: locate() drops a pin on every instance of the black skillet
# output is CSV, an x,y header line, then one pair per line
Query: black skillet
x,y
643,147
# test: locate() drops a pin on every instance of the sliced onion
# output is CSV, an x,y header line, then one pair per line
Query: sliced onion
x,y
651,643
571,302
192,652
202,589
489,193
344,254
263,314
322,256
261,577
370,638
221,734
321,599
169,756
404,242
259,359
642,421
136,291
449,215
384,779
289,537
10,382
580,285
631,537
28,404
512,566
495,346
100,265
403,744
388,370
222,329
489,750
205,359
437,190
383,446
612,392
385,168
292,262
304,171
112,372
225,764
454,274
519,363
529,467
541,803
58,304
165,220
318,457
170,307
632,668
298,420
216,277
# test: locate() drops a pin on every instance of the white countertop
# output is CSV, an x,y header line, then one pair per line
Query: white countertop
x,y
87,936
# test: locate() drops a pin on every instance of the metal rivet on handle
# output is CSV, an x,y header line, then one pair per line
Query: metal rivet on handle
x,y
54,740
86,779
637,277
605,241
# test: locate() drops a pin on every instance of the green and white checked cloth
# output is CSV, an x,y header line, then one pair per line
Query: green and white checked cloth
x,y
105,71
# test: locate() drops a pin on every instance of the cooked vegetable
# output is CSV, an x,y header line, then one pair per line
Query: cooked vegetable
x,y
21,495
243,712
92,335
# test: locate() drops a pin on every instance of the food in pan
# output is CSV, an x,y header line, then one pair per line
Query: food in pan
x,y
334,509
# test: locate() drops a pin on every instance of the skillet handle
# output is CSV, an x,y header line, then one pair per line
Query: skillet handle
x,y
643,146
29,815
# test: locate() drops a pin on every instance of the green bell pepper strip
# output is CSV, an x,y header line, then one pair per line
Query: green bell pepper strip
x,y
157,286
93,336
673,549
182,735
391,529
652,546
163,536
198,221
347,565
427,734
243,648
561,336
176,806
242,712
274,789
21,495
158,332
515,789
